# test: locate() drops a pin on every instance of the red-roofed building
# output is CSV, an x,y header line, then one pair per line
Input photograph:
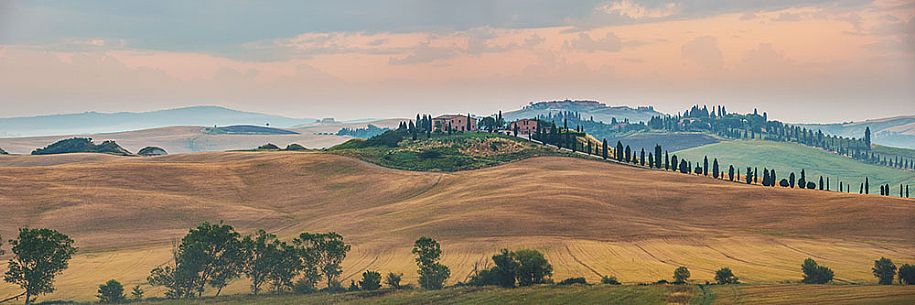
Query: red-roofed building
x,y
454,122
525,126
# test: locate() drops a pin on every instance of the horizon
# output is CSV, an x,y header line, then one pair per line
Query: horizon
x,y
844,61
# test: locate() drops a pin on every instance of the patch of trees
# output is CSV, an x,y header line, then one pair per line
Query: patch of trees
x,y
514,268
367,132
82,145
815,273
39,256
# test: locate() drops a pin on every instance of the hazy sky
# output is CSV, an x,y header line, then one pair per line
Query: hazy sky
x,y
812,61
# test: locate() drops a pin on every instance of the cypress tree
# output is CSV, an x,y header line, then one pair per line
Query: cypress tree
x,y
906,191
619,151
715,171
673,163
791,179
642,157
750,174
802,181
705,166
651,160
666,161
772,178
657,156
765,176
731,172
827,184
867,186
468,123
755,174
589,147
821,183
628,154
604,149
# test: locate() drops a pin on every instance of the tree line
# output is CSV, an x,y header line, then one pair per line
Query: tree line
x,y
213,255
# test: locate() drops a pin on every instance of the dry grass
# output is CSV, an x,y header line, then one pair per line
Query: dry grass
x,y
590,218
815,294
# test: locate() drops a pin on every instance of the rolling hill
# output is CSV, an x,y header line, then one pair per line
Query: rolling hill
x,y
895,131
791,157
95,122
600,111
185,139
591,218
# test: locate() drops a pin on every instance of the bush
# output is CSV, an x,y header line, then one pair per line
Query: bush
x,y
784,183
295,147
573,281
136,293
303,286
526,267
609,280
907,274
268,146
681,275
814,273
884,270
725,276
111,292
430,154
371,280
393,280
389,138
811,186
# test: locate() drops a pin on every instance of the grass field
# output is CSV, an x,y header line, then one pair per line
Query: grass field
x,y
590,218
790,157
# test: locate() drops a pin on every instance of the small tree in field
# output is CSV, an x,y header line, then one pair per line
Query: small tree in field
x,y
371,280
136,293
681,275
725,276
111,292
814,273
533,268
393,280
432,274
907,274
884,270
39,255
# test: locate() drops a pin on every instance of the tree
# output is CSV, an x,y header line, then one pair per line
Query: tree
x,y
867,137
731,172
867,186
213,254
681,275
393,280
715,171
604,150
326,251
39,255
642,157
262,253
765,177
791,180
725,276
705,166
802,181
884,270
137,293
505,271
371,280
432,274
628,154
814,273
749,175
111,292
619,151
907,274
666,161
533,268
657,156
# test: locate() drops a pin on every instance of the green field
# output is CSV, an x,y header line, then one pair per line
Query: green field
x,y
596,294
790,157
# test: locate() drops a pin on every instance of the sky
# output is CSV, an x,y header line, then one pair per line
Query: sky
x,y
800,61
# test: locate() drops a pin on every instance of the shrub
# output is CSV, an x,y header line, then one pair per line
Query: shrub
x,y
111,292
907,274
573,281
304,286
352,286
814,273
136,293
393,280
268,146
811,185
430,154
533,267
783,183
884,270
609,280
295,147
725,276
681,275
432,274
371,280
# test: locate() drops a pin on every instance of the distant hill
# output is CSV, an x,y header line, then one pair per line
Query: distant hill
x,y
600,111
895,131
248,129
95,122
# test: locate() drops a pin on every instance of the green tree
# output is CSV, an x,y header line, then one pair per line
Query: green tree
x,y
884,270
802,181
619,151
657,156
533,267
393,280
432,274
262,253
731,172
505,272
111,292
604,149
39,255
681,275
136,293
288,263
725,276
705,166
213,253
907,274
371,280
814,273
867,137
715,171
327,250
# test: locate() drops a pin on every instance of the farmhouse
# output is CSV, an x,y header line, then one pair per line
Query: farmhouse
x,y
455,122
525,126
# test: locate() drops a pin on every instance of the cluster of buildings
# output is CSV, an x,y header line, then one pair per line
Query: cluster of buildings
x,y
459,122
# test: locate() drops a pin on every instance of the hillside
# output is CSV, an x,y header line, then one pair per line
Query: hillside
x,y
600,111
589,217
895,131
791,157
95,122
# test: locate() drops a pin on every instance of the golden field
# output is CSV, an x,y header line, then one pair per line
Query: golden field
x,y
589,217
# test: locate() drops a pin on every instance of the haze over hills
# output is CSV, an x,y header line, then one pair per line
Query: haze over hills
x,y
590,218
894,131
96,122
600,111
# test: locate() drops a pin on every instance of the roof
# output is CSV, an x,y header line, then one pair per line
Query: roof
x,y
449,116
